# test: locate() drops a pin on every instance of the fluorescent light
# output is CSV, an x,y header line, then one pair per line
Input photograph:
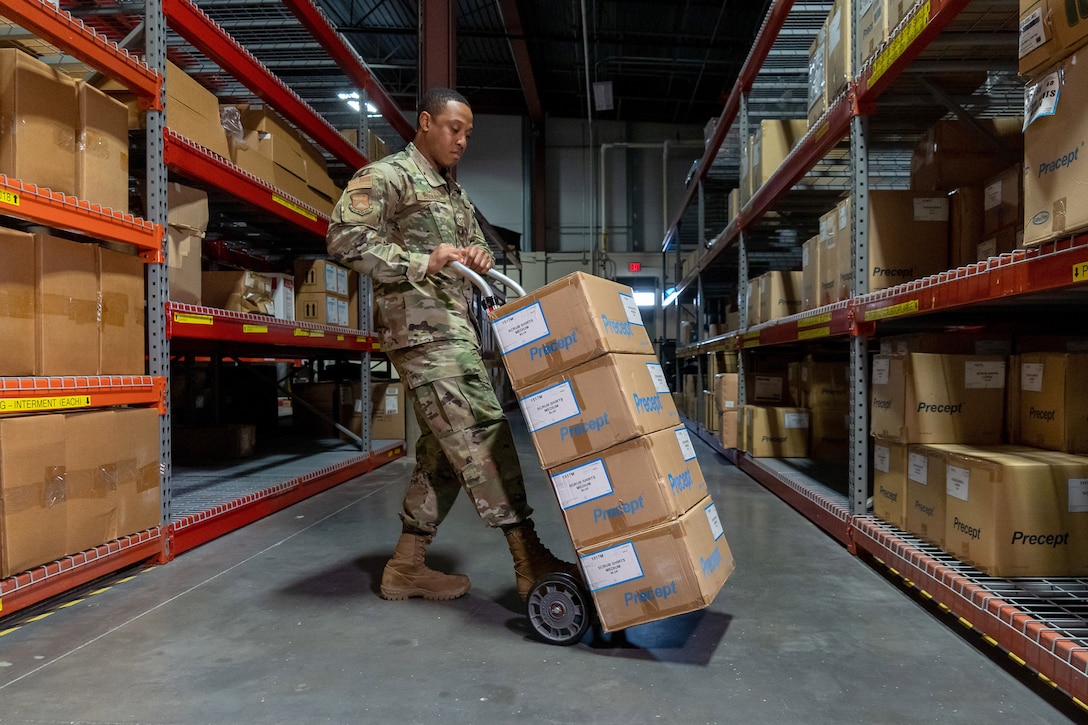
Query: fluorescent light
x,y
352,100
645,299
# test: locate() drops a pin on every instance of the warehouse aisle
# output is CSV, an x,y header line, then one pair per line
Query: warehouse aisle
x,y
281,623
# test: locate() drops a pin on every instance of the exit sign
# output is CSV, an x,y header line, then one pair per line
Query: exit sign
x,y
634,266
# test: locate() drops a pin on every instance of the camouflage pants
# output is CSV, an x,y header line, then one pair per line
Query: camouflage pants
x,y
465,440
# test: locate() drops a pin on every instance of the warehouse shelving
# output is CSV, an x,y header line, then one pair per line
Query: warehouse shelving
x,y
201,508
1040,623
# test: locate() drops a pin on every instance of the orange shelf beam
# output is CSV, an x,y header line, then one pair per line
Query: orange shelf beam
x,y
831,321
19,396
58,27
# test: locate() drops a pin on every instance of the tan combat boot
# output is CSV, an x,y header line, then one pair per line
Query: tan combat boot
x,y
532,560
407,576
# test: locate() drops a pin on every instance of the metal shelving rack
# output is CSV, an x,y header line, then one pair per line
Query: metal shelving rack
x,y
202,507
1040,623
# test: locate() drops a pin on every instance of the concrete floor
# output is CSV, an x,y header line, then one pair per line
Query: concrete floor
x,y
281,623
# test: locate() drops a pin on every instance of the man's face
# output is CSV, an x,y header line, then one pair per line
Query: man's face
x,y
442,139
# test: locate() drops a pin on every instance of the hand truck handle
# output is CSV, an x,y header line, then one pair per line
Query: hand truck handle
x,y
484,287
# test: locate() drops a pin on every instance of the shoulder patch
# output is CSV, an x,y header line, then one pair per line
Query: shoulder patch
x,y
360,182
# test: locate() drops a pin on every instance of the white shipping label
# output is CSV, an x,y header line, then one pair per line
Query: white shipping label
x,y
715,522
729,404
844,217
918,468
805,256
882,458
827,227
768,388
1041,99
549,406
687,450
657,375
1032,32
931,209
1031,377
612,566
957,482
630,309
392,403
330,278
520,328
834,29
992,197
984,375
582,484
358,405
881,367
796,420
1078,495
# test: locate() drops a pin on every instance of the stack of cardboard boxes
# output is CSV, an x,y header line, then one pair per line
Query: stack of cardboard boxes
x,y
326,293
605,428
978,454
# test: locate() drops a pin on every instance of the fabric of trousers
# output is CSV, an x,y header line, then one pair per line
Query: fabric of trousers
x,y
465,440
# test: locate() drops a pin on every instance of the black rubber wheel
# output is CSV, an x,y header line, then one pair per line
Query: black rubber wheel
x,y
559,609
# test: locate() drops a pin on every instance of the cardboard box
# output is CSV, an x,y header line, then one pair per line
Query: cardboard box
x,y
734,204
321,308
41,115
817,76
67,301
1054,180
136,452
1039,46
660,572
18,355
753,303
387,410
839,34
33,492
774,139
192,111
1014,513
908,237
596,405
1003,241
927,468
1053,401
810,274
776,432
779,295
830,289
318,410
197,444
567,322
241,291
320,275
102,142
726,392
251,155
1003,202
630,487
824,383
279,141
767,388
952,154
874,27
890,482
187,222
829,437
122,314
747,182
729,428
965,207
951,343
283,295
843,228
91,475
930,398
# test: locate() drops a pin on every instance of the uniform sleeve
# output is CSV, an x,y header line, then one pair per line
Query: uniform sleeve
x,y
358,232
476,234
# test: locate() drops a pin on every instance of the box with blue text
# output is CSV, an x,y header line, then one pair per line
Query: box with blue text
x,y
659,572
567,322
634,485
596,405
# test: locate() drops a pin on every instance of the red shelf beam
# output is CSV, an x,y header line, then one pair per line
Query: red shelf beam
x,y
192,531
208,323
829,516
58,27
832,321
327,36
50,580
198,163
194,25
19,396
53,209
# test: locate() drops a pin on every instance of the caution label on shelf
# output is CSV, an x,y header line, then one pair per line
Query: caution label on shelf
x,y
814,320
900,43
29,405
813,332
905,308
1080,272
183,318
255,329
294,207
10,198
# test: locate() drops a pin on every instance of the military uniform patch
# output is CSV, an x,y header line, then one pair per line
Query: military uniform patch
x,y
360,201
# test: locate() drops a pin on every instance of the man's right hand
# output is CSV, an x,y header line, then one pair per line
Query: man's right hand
x,y
442,255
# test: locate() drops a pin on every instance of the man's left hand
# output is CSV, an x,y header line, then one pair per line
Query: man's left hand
x,y
478,260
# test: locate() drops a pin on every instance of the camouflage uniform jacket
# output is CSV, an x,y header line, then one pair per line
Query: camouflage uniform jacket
x,y
392,214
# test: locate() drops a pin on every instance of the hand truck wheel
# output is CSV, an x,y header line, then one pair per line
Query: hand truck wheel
x,y
559,609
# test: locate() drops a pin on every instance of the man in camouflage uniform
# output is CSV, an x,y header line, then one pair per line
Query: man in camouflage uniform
x,y
401,220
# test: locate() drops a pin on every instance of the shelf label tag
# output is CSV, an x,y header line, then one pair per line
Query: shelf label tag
x,y
904,308
1080,272
612,567
10,198
29,405
1078,495
813,333
255,329
984,374
918,468
183,318
301,333
814,320
294,207
957,482
751,339
582,484
900,43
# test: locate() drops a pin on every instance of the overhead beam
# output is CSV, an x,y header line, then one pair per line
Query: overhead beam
x,y
511,18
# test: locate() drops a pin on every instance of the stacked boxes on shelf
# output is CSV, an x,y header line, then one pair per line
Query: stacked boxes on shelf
x,y
604,425
323,293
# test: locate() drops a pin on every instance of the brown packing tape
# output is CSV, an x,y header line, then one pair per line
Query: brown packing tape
x,y
92,483
1058,215
115,308
50,491
83,312
17,304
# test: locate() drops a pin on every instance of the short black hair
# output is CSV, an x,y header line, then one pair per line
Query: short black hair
x,y
435,100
